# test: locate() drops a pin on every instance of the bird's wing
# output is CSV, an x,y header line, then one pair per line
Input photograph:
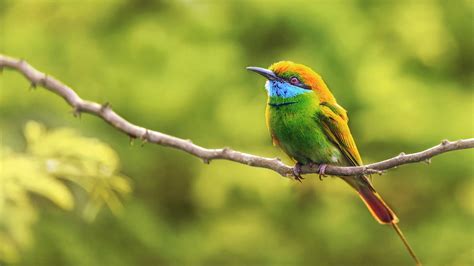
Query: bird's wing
x,y
334,121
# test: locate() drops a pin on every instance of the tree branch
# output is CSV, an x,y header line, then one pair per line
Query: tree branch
x,y
104,111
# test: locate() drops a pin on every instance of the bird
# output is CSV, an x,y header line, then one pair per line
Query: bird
x,y
306,122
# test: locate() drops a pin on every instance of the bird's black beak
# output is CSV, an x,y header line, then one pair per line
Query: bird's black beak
x,y
264,72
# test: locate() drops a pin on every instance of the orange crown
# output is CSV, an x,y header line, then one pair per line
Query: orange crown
x,y
287,69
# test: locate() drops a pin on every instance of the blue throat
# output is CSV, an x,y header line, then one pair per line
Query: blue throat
x,y
281,89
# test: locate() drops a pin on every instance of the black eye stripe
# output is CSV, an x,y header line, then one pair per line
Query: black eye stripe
x,y
301,85
306,87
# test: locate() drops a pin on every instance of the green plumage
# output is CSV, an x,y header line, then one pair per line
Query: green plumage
x,y
295,125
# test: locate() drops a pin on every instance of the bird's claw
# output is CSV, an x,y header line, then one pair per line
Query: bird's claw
x,y
322,171
297,172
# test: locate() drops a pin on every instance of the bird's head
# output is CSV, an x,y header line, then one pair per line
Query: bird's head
x,y
287,79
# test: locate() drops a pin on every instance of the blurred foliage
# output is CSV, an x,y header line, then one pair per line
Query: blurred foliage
x,y
51,159
403,69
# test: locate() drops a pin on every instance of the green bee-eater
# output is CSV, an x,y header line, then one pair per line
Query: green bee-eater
x,y
307,123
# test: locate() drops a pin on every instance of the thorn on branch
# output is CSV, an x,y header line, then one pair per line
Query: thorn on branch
x,y
371,171
145,137
32,86
76,112
206,160
401,154
43,81
104,107
427,161
444,142
131,139
225,150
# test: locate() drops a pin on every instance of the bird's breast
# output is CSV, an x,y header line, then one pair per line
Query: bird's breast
x,y
298,132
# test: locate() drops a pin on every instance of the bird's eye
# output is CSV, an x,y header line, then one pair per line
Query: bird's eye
x,y
294,80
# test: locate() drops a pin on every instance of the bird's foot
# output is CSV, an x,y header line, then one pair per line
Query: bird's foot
x,y
297,172
322,171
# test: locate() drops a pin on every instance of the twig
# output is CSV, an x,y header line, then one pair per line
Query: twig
x,y
105,112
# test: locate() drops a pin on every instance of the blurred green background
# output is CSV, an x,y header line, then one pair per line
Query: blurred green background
x,y
404,70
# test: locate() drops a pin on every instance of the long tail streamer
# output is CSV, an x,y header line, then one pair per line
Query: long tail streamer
x,y
405,242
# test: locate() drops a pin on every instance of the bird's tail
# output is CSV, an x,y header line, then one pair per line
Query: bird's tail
x,y
381,212
377,207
